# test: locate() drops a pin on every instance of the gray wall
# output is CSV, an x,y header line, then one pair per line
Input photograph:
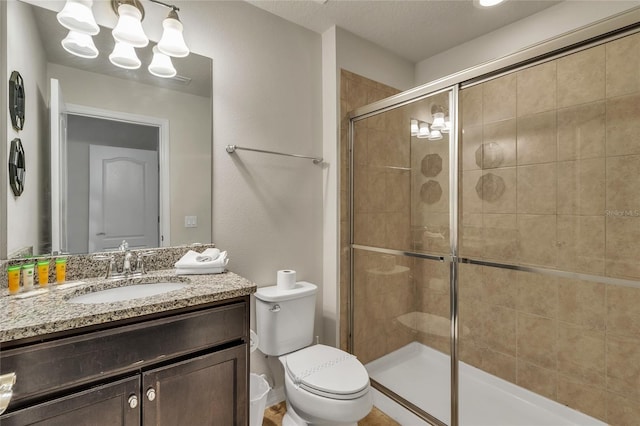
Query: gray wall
x,y
28,215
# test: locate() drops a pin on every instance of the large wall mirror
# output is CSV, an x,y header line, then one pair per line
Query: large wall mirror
x,y
97,136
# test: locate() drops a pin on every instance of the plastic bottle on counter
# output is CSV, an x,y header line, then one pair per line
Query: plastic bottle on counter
x,y
27,276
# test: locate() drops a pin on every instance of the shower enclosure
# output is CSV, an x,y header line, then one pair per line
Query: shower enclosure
x,y
494,245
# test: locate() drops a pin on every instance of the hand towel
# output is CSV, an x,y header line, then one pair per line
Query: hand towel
x,y
208,255
202,271
209,260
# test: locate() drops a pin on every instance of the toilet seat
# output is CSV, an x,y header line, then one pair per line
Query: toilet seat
x,y
328,372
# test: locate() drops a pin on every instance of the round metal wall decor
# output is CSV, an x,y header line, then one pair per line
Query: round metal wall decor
x,y
16,167
16,100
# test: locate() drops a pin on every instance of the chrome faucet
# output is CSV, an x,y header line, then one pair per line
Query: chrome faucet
x,y
127,269
126,265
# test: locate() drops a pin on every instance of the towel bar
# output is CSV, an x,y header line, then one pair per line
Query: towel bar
x,y
232,148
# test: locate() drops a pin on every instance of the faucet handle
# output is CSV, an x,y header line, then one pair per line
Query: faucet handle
x,y
140,260
124,246
110,266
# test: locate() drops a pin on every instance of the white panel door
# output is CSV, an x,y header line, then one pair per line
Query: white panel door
x,y
123,198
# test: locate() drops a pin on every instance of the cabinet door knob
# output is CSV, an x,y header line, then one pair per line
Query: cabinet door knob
x,y
133,401
151,394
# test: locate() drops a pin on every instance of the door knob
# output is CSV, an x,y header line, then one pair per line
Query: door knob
x,y
151,394
133,401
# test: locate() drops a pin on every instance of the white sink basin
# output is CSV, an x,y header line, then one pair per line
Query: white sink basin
x,y
129,292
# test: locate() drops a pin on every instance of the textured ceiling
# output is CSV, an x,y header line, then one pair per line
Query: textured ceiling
x,y
413,29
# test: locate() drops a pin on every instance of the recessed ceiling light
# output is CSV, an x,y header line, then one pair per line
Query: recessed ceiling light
x,y
487,3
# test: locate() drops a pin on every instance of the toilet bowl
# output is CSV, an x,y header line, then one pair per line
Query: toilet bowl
x,y
323,385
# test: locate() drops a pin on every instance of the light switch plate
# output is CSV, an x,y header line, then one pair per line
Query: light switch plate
x,y
191,221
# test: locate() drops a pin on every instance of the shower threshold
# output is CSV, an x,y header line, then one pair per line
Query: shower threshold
x,y
421,375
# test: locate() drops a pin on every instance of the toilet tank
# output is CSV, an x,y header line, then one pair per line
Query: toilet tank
x,y
284,318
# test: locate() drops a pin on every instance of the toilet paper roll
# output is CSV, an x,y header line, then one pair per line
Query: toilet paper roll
x,y
286,279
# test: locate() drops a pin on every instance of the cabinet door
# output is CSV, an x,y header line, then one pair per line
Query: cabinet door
x,y
106,405
210,389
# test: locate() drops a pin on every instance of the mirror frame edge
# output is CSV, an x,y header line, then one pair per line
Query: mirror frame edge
x,y
3,129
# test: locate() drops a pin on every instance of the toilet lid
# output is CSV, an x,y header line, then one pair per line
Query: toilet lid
x,y
327,371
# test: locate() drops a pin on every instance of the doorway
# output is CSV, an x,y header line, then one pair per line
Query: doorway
x,y
112,184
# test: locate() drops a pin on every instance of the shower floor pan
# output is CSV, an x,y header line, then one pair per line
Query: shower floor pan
x,y
421,375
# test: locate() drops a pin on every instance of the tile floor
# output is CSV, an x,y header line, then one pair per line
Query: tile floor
x,y
273,417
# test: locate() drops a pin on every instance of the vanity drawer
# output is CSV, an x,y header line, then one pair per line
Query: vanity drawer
x,y
73,361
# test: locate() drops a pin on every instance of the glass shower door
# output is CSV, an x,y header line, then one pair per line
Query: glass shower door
x,y
401,251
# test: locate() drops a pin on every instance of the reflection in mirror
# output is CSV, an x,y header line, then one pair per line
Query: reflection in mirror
x,y
114,195
146,123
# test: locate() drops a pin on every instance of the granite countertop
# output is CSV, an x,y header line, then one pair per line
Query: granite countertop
x,y
50,311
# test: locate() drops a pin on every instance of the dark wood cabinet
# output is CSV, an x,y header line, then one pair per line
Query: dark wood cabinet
x,y
104,405
189,368
207,390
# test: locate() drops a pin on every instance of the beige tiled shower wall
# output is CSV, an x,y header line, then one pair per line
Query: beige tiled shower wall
x,y
399,300
355,91
384,295
550,177
401,202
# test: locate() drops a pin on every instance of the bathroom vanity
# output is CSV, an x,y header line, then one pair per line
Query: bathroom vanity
x,y
180,357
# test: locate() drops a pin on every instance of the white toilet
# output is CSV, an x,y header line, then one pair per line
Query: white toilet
x,y
323,385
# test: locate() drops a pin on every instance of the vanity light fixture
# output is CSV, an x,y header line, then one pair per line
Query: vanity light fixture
x,y
161,65
128,34
76,15
129,31
129,27
80,44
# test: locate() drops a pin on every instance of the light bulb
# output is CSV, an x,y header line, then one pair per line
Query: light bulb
x,y
447,125
124,56
424,130
76,15
489,3
438,121
172,42
80,44
129,27
414,127
161,65
435,135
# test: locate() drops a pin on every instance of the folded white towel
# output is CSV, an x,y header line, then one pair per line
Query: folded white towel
x,y
210,258
201,271
208,255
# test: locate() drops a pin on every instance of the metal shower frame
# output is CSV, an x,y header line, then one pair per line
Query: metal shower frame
x,y
613,28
